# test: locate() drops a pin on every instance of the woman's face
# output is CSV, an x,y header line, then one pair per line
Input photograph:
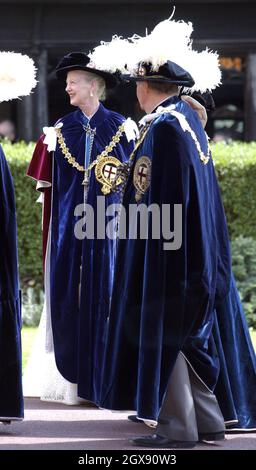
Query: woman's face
x,y
78,87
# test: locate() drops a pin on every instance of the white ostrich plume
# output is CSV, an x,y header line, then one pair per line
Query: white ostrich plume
x,y
205,69
169,40
112,56
17,75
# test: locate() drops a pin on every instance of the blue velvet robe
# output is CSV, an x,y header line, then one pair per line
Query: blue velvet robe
x,y
81,270
163,301
11,399
236,385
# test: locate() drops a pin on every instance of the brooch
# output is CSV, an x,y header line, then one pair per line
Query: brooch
x,y
106,172
142,176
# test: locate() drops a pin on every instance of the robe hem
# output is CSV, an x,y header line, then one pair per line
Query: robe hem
x,y
10,418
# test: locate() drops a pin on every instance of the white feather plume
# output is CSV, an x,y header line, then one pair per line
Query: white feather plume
x,y
204,67
169,40
112,56
17,75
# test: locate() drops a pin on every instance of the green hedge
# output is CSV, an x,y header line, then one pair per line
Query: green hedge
x,y
235,164
244,269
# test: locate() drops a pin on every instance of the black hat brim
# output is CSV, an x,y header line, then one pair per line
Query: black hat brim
x,y
169,72
186,83
110,79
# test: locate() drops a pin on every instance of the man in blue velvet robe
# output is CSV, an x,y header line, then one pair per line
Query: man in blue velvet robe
x,y
88,145
171,306
160,354
11,399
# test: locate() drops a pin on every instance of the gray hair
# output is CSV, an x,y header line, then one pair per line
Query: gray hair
x,y
101,84
163,87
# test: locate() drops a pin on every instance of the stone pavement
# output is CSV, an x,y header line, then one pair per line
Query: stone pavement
x,y
49,426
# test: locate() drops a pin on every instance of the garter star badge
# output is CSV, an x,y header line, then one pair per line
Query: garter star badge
x,y
105,173
142,176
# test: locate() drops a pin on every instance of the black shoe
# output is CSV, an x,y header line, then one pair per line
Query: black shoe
x,y
161,442
211,436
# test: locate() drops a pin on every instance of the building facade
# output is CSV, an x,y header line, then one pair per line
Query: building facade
x,y
46,30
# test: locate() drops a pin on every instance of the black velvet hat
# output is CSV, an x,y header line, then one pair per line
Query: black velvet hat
x,y
80,61
170,72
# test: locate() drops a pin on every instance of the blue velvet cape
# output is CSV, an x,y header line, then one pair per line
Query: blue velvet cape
x,y
79,327
235,389
11,399
163,301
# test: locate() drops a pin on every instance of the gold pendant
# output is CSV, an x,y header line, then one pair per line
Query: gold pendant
x,y
106,172
142,177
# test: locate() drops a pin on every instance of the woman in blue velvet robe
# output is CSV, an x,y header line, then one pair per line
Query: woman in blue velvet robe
x,y
79,266
11,399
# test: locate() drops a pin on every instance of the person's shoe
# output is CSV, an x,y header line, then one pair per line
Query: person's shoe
x,y
211,436
161,442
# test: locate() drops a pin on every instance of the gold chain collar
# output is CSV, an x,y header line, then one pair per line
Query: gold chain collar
x,y
72,160
124,169
139,142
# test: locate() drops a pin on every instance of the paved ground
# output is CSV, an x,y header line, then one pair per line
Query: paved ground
x,y
49,426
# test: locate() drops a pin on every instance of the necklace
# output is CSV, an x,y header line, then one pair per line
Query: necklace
x,y
104,155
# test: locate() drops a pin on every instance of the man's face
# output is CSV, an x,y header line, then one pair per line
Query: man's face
x,y
142,91
78,87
